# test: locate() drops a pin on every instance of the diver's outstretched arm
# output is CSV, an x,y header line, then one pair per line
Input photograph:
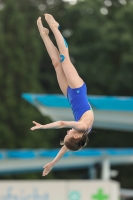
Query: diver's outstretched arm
x,y
79,126
48,167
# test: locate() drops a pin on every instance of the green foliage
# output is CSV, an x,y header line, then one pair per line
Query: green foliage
x,y
19,72
102,46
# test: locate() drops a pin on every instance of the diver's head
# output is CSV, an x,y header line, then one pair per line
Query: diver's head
x,y
75,140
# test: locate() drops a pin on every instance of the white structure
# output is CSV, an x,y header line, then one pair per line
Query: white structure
x,y
59,190
115,113
27,160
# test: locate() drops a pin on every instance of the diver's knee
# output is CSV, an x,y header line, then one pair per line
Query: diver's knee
x,y
56,63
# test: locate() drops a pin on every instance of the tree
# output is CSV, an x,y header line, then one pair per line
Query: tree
x,y
19,72
101,45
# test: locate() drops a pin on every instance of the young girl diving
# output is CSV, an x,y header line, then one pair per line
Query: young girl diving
x,y
73,87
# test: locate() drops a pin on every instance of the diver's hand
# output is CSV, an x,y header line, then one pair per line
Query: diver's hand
x,y
47,168
37,126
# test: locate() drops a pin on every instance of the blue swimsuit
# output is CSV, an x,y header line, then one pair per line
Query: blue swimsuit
x,y
77,98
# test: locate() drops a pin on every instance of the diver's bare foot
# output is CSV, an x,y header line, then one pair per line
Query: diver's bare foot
x,y
43,31
51,21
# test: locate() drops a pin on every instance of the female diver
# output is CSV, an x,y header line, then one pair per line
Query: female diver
x,y
73,87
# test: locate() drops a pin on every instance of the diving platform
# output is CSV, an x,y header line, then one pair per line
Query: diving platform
x,y
111,112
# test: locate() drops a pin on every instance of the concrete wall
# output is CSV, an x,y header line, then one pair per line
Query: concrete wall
x,y
59,190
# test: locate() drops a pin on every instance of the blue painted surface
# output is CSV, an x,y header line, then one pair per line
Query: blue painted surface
x,y
50,153
47,100
20,154
120,152
97,102
87,152
1,156
28,97
112,103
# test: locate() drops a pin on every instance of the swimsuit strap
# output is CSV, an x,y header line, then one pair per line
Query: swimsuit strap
x,y
88,131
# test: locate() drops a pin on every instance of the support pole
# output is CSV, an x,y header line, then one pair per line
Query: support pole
x,y
105,174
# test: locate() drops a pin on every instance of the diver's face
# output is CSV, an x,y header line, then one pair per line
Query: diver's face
x,y
72,133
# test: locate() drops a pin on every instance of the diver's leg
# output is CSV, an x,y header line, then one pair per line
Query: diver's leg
x,y
54,55
73,79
